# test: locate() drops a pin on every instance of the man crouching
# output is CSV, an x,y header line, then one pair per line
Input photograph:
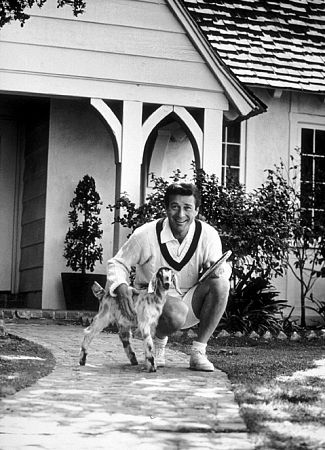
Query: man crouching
x,y
187,246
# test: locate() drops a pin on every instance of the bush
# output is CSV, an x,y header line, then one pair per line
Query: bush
x,y
252,307
81,248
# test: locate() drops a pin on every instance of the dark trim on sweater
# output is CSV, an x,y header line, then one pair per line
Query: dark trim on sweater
x,y
190,252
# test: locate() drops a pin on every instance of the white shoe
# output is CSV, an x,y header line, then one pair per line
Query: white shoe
x,y
199,361
160,356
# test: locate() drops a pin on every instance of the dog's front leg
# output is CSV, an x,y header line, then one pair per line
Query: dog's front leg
x,y
100,321
125,335
148,347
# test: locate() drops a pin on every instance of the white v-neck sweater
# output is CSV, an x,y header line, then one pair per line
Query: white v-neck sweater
x,y
142,251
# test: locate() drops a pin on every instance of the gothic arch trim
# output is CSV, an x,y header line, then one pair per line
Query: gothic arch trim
x,y
113,122
192,125
154,119
163,111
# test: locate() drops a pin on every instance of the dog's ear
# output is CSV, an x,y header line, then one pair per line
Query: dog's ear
x,y
98,291
152,285
175,281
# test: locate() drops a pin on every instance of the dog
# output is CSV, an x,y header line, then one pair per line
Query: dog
x,y
148,306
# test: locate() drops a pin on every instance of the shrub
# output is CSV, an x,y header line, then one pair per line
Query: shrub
x,y
252,307
81,248
253,225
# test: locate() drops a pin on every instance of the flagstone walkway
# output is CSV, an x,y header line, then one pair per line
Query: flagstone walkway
x,y
109,404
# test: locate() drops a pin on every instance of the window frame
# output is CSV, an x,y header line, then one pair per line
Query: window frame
x,y
314,127
242,153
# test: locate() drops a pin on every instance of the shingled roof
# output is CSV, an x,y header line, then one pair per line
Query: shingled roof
x,y
274,44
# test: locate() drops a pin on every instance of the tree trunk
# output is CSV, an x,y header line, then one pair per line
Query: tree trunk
x,y
302,299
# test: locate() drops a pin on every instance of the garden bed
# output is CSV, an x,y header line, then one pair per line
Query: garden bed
x,y
22,363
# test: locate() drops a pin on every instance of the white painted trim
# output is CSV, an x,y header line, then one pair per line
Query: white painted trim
x,y
212,142
163,111
275,93
192,125
111,119
153,120
132,149
298,121
85,87
243,152
308,119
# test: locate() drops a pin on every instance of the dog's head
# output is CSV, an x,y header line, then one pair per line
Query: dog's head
x,y
164,279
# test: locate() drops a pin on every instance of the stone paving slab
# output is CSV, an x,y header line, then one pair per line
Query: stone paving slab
x,y
110,404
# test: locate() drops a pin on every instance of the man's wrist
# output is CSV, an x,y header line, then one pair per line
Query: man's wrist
x,y
114,286
121,289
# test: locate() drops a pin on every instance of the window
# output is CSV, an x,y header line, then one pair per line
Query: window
x,y
230,153
312,175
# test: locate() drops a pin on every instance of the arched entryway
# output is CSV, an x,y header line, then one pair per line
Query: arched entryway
x,y
172,141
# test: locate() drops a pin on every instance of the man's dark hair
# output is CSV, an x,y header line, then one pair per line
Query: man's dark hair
x,y
182,189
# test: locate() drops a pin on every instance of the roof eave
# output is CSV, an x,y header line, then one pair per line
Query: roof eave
x,y
243,99
286,88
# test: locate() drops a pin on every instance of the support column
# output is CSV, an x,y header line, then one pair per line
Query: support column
x,y
212,142
115,126
131,158
131,149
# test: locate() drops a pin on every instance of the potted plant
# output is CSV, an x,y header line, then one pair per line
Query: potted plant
x,y
81,247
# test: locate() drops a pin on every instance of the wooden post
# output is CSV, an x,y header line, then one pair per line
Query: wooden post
x,y
131,153
212,142
131,149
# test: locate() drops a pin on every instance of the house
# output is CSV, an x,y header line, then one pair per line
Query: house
x,y
135,86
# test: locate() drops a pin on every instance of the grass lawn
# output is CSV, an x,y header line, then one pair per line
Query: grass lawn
x,y
283,409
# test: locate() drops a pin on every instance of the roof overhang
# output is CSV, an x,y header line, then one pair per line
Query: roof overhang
x,y
242,99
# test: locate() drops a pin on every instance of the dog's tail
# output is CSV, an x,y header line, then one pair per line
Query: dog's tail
x,y
98,291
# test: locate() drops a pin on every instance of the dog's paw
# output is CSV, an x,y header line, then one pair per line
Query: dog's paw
x,y
83,357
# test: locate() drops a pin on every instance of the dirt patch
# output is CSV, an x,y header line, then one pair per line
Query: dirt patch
x,y
22,363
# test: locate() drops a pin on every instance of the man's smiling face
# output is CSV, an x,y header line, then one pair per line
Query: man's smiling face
x,y
181,212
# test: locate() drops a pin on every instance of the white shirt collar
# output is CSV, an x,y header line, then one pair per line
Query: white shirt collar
x,y
167,234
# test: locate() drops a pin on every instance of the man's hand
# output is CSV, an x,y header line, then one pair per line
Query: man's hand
x,y
224,271
125,298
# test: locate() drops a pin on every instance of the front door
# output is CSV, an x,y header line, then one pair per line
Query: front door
x,y
8,202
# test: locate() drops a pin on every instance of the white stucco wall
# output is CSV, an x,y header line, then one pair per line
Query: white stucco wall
x,y
274,135
267,138
79,144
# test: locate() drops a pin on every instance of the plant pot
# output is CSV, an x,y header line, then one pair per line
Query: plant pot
x,y
77,290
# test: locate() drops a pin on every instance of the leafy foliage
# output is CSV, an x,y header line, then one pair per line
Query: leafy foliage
x,y
252,307
154,207
11,10
253,225
81,247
